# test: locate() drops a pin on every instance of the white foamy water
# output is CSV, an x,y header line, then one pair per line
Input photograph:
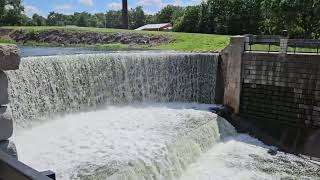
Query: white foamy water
x,y
146,142
242,157
46,86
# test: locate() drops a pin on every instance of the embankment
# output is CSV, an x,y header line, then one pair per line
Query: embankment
x,y
71,38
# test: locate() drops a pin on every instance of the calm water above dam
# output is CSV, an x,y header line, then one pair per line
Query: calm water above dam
x,y
27,51
132,115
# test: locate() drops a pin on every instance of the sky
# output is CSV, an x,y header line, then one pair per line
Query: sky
x,y
43,7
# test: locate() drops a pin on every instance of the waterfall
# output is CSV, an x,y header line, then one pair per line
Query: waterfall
x,y
141,142
48,86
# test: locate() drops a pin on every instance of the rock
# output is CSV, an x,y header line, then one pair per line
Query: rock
x,y
272,152
66,38
9,148
6,123
9,57
4,97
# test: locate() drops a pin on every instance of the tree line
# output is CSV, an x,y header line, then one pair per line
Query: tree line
x,y
300,17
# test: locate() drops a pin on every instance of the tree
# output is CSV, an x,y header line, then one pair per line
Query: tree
x,y
136,18
150,19
11,12
56,19
113,19
189,21
83,19
167,14
38,20
300,17
101,20
2,11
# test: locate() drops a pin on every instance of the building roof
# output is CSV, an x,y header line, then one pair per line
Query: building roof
x,y
153,26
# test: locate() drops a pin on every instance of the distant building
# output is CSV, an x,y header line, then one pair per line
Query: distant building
x,y
156,27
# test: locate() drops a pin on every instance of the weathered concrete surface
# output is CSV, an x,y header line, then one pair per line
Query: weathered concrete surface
x,y
232,57
6,123
9,57
4,97
9,148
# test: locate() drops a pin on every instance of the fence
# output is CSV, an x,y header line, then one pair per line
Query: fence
x,y
271,43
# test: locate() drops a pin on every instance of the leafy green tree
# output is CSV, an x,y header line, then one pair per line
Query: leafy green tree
x,y
101,20
38,20
150,19
2,11
168,14
136,18
56,19
83,19
300,17
188,22
11,12
113,19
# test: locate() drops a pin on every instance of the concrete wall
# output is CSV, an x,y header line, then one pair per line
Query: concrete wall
x,y
9,60
231,58
281,94
275,96
284,88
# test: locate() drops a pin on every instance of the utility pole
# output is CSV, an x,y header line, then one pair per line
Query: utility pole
x,y
125,24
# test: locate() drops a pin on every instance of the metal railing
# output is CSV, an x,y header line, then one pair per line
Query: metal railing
x,y
270,43
12,169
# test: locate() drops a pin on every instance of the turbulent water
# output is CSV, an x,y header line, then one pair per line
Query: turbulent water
x,y
94,117
47,86
154,141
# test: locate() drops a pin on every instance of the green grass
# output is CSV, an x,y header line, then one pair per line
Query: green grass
x,y
191,42
5,40
275,48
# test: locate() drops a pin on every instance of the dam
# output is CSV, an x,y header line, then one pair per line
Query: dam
x,y
134,116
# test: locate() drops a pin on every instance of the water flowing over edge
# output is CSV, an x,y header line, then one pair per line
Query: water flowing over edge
x,y
48,86
185,150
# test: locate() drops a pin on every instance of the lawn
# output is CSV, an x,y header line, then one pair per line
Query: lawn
x,y
191,42
276,48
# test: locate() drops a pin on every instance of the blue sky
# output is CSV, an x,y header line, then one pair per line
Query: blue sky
x,y
43,7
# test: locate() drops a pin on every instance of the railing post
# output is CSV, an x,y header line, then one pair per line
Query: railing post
x,y
284,42
247,45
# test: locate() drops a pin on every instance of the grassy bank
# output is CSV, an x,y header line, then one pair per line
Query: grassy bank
x,y
181,41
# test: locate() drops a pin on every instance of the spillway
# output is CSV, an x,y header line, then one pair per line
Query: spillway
x,y
47,86
133,116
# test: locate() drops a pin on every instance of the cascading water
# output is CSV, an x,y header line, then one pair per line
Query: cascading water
x,y
46,86
101,122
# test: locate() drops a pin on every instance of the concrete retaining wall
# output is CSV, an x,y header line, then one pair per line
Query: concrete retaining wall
x,y
9,60
282,88
281,94
277,93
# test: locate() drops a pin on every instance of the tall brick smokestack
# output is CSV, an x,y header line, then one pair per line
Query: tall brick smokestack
x,y
125,14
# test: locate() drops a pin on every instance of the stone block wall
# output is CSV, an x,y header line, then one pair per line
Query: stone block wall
x,y
281,87
9,60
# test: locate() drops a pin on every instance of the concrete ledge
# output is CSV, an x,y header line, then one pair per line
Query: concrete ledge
x,y
9,57
9,148
6,123
232,57
4,97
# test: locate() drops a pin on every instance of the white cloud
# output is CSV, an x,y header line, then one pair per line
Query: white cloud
x,y
150,3
86,2
114,6
29,10
65,8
